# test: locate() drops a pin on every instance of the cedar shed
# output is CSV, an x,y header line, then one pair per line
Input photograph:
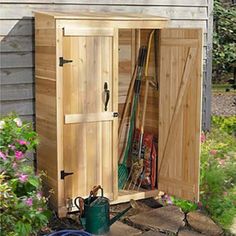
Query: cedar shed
x,y
76,54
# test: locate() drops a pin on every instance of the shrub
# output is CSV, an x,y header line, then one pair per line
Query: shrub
x,y
227,124
23,209
218,175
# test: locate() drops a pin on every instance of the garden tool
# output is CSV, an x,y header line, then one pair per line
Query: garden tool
x,y
135,160
124,114
145,99
127,102
122,168
96,216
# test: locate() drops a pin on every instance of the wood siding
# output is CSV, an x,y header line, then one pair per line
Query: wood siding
x,y
17,39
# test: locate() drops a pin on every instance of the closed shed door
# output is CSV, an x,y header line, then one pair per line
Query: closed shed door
x,y
180,54
89,133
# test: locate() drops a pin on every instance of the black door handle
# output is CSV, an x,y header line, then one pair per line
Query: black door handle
x,y
107,95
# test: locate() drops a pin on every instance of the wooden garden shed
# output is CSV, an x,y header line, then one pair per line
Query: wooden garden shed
x,y
76,54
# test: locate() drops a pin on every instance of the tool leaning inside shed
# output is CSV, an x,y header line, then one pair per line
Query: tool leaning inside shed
x,y
142,151
146,148
95,212
122,168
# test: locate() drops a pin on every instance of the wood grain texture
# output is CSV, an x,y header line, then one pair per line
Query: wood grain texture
x,y
46,112
90,153
21,107
46,129
90,117
16,60
7,11
119,2
16,76
16,44
179,100
45,46
17,92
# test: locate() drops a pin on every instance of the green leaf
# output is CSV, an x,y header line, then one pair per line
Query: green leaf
x,y
34,181
23,228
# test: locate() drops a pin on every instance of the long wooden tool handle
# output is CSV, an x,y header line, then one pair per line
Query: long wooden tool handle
x,y
143,116
127,102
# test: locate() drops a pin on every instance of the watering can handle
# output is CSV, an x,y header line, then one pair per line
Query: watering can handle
x,y
95,189
81,204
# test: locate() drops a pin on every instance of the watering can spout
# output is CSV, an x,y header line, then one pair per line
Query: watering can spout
x,y
119,215
133,204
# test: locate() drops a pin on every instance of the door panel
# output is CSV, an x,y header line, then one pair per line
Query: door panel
x,y
88,129
180,58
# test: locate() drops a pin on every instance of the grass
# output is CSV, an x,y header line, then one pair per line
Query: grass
x,y
221,88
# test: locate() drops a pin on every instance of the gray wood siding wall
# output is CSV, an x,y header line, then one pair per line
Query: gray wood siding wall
x,y
17,40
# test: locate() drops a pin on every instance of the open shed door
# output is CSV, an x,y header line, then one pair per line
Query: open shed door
x,y
180,59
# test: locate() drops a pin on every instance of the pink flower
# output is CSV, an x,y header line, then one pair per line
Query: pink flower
x,y
213,152
40,209
29,201
22,142
2,155
12,147
203,138
18,122
221,162
166,199
225,194
23,178
19,155
39,195
14,165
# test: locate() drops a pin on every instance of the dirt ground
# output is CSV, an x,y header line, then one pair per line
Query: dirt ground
x,y
223,104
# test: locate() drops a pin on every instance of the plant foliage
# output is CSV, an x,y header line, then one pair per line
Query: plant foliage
x,y
224,39
23,209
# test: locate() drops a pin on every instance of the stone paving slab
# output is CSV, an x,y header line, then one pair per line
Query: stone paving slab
x,y
169,218
203,223
186,232
152,233
121,229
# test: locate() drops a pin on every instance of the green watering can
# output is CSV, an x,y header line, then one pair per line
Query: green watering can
x,y
95,212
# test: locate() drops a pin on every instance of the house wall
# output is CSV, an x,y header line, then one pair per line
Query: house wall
x,y
17,41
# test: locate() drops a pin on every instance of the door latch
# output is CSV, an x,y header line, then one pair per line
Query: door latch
x,y
64,174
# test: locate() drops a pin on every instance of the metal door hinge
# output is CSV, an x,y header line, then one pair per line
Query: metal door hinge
x,y
64,174
63,61
115,114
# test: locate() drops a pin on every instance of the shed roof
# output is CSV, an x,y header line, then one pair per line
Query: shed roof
x,y
113,16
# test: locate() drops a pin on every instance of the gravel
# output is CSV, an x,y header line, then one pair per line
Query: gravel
x,y
224,104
